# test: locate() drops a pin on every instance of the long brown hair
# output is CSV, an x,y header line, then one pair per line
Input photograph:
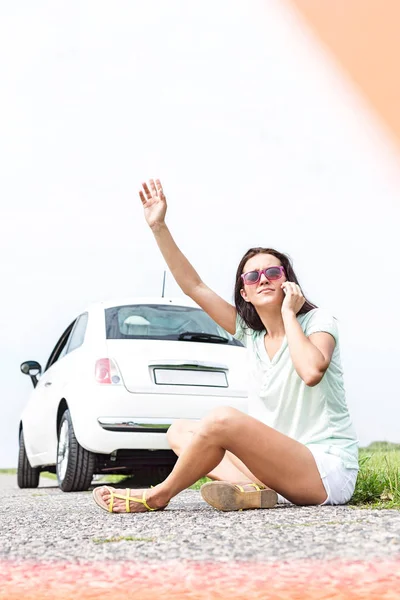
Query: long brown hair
x,y
245,309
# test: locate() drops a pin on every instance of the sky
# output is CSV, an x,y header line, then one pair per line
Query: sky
x,y
258,137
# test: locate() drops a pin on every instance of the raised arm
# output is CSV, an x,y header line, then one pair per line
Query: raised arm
x,y
155,208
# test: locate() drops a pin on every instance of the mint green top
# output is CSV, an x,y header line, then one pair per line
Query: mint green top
x,y
315,416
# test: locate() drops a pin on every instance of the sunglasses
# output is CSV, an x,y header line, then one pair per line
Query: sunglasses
x,y
271,273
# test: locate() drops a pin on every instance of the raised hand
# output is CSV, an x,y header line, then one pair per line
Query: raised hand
x,y
154,203
294,298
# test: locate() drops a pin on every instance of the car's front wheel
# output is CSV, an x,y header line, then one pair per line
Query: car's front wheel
x,y
75,464
27,476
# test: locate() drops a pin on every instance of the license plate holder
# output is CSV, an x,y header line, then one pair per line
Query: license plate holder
x,y
190,377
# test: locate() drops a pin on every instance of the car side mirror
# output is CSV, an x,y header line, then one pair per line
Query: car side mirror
x,y
33,369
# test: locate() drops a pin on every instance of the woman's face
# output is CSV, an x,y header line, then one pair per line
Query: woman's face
x,y
265,292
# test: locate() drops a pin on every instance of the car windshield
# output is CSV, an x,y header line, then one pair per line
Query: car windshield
x,y
164,322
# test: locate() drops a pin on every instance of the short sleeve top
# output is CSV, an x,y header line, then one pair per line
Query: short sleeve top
x,y
314,416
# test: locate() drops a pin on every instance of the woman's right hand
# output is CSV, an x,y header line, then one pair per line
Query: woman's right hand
x,y
154,203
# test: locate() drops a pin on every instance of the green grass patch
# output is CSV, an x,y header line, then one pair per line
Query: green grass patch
x,y
378,482
122,538
382,447
199,483
112,479
48,475
14,472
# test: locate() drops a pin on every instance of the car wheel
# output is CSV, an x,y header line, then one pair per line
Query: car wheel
x,y
27,476
75,464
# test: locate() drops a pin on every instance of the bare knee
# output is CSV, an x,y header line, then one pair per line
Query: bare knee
x,y
215,422
174,432
179,430
220,420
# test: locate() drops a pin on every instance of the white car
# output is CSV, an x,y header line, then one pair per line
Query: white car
x,y
118,377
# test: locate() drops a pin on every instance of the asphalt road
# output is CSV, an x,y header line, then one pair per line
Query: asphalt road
x,y
46,524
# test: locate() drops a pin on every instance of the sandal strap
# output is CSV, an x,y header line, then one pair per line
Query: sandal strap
x,y
145,503
128,499
253,484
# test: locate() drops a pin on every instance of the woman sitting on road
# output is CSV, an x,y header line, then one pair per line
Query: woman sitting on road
x,y
298,440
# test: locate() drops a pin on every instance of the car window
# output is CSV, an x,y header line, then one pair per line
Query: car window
x,y
60,348
77,336
161,322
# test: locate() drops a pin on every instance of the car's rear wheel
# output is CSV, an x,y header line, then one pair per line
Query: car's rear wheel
x,y
75,464
27,476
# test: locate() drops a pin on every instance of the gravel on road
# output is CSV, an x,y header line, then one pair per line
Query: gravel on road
x,y
45,524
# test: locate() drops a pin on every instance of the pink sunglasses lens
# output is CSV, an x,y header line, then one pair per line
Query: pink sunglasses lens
x,y
252,277
273,273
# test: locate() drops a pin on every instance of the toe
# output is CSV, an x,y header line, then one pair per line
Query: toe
x,y
104,493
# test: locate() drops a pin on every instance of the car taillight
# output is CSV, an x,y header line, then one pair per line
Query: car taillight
x,y
106,371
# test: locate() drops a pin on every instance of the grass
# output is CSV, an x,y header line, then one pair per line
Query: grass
x,y
378,483
48,475
121,538
14,472
112,479
199,483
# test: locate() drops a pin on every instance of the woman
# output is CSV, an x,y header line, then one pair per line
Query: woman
x,y
299,441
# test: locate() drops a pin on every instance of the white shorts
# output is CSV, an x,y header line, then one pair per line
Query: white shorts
x,y
338,481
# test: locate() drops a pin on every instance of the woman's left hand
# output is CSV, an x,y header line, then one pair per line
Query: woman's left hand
x,y
294,299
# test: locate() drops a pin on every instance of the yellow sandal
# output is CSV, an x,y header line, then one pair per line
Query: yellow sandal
x,y
128,498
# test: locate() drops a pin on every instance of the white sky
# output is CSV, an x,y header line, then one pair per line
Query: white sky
x,y
259,139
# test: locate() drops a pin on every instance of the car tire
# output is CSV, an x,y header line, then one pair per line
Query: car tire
x,y
75,464
27,476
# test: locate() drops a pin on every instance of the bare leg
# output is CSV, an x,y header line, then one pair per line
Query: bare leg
x,y
277,460
230,469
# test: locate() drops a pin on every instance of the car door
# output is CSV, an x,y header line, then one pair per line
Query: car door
x,y
37,419
60,373
67,369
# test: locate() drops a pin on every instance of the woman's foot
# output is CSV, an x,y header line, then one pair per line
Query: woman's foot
x,y
128,500
227,496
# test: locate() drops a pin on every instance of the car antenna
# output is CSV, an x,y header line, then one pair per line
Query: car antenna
x,y
163,285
